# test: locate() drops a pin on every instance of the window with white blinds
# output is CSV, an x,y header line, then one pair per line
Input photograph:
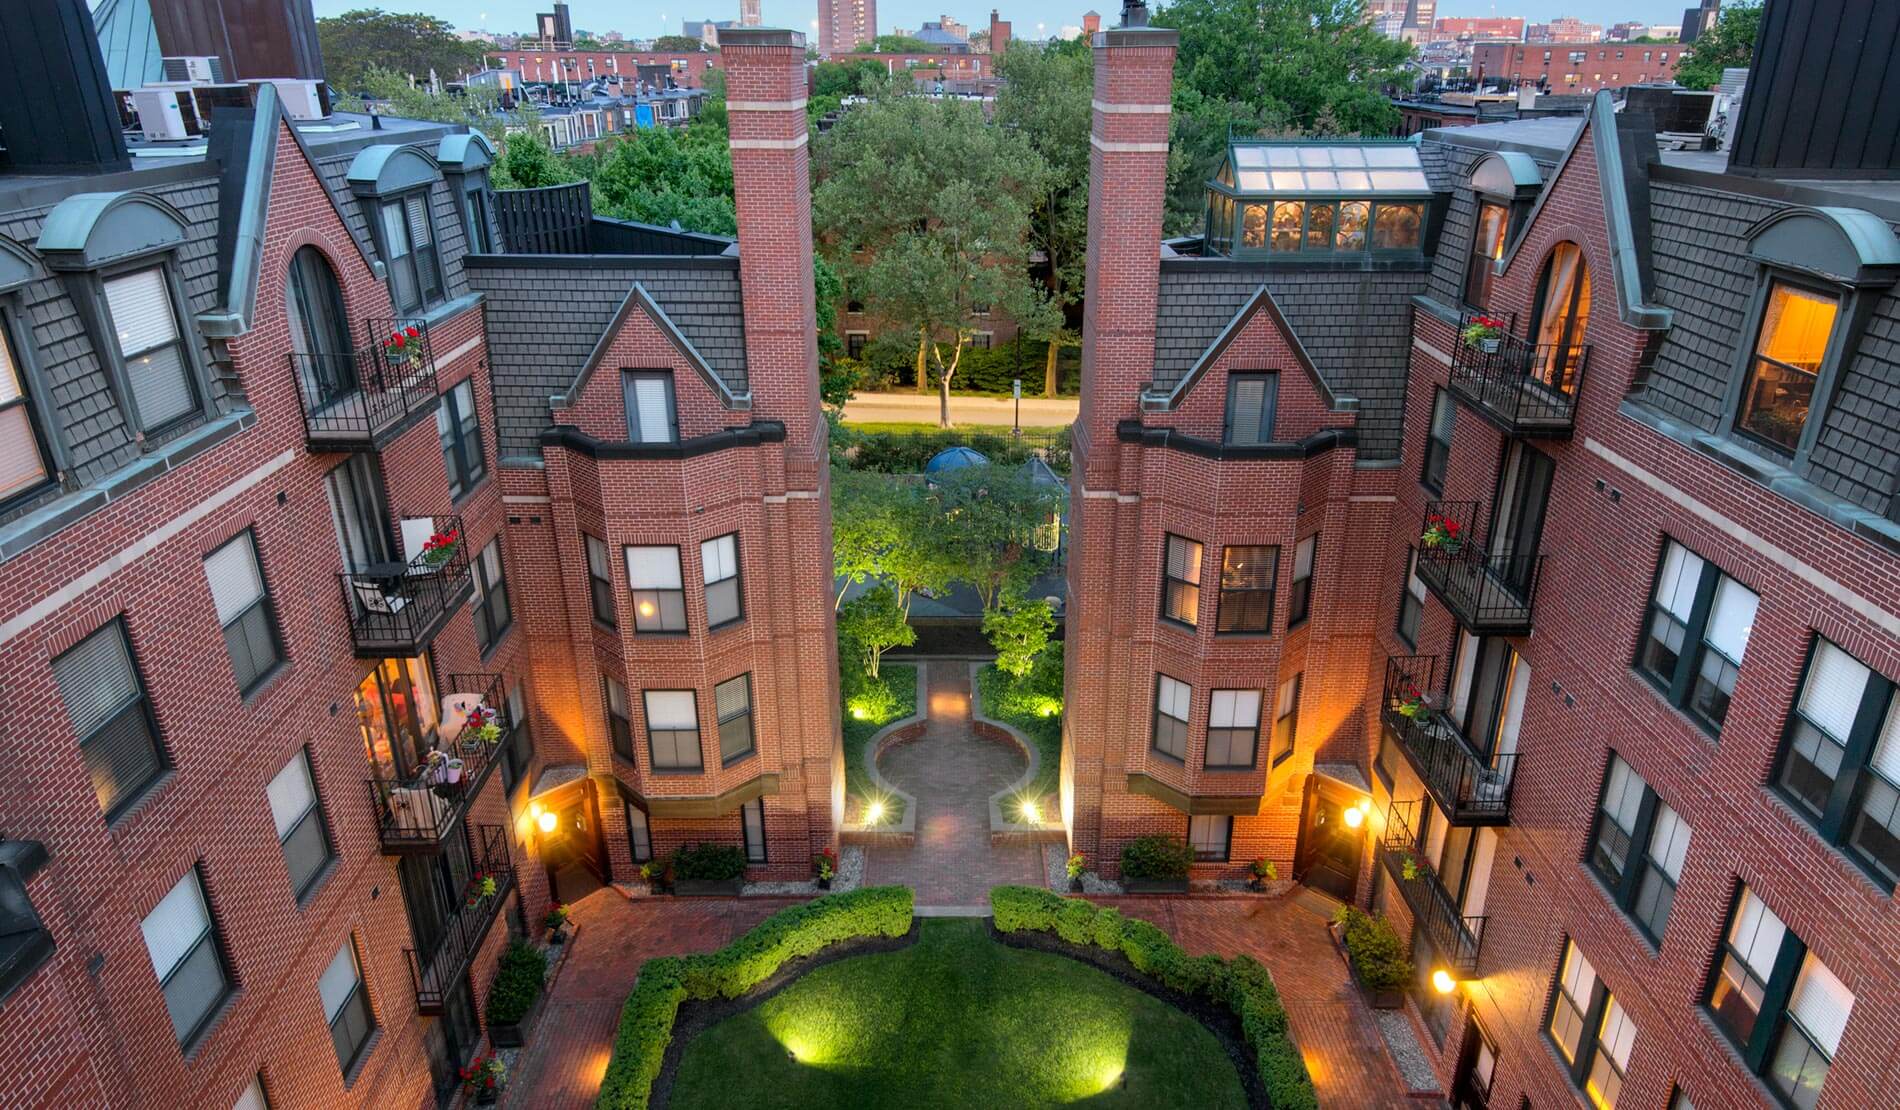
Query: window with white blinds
x,y
157,370
346,1005
1840,766
1696,634
22,465
659,598
719,560
673,729
1822,1004
409,253
1172,700
300,828
1211,837
105,700
732,700
600,581
1233,728
244,612
184,950
651,416
1301,602
1251,399
1181,581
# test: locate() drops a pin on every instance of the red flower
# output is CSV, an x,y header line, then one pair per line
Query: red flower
x,y
396,340
412,331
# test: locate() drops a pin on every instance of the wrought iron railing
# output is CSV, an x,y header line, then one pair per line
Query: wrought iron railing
x,y
397,608
434,973
1531,388
415,814
1456,937
1489,593
352,398
1472,789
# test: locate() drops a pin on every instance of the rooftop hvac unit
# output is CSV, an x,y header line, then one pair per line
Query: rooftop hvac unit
x,y
302,99
199,69
163,114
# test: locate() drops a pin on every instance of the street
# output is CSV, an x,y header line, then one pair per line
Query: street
x,y
922,408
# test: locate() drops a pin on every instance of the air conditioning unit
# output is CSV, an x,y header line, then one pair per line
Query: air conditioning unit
x,y
161,117
302,99
200,69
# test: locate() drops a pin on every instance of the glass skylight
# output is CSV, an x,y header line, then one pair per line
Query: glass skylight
x,y
1301,198
1330,168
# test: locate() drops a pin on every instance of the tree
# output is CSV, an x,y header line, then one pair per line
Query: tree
x,y
1729,44
527,163
1200,128
1019,630
865,522
894,44
657,175
924,207
478,107
678,44
993,525
364,39
873,623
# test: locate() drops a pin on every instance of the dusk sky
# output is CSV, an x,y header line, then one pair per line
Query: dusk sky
x,y
646,18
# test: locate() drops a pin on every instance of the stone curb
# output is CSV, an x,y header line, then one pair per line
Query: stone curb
x,y
905,830
1001,826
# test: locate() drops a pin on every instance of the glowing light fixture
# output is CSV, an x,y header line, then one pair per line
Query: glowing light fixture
x,y
858,712
646,608
1365,805
1442,982
874,813
546,821
1032,813
1354,817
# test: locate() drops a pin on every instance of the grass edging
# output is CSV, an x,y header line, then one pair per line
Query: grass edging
x,y
648,1018
1242,984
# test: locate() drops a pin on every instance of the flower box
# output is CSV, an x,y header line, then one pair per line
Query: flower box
x,y
1392,999
515,1034
709,888
1155,886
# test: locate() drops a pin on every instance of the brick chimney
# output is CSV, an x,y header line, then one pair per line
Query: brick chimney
x,y
771,184
999,34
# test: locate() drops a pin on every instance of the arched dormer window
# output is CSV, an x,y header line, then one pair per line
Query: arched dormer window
x,y
395,183
1504,183
319,329
1563,314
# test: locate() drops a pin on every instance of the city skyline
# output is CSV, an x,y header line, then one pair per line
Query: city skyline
x,y
665,16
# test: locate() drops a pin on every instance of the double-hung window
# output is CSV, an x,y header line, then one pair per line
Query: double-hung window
x,y
1840,765
619,717
1172,700
118,737
1438,441
1247,579
300,828
1251,399
651,413
1590,1029
1779,1004
1233,728
493,615
1638,847
244,611
1778,392
673,730
1487,246
733,699
518,747
659,601
1211,837
183,943
752,829
600,581
408,232
346,1006
1696,633
1181,586
158,369
719,560
23,465
1286,718
1411,601
1300,605
460,430
639,834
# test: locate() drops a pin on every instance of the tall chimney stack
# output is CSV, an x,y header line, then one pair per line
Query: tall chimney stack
x,y
57,112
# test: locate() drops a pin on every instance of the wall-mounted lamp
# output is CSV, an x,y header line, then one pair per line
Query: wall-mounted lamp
x,y
1442,982
546,821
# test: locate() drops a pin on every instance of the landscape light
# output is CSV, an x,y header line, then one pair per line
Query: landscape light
x,y
1031,813
874,813
1442,982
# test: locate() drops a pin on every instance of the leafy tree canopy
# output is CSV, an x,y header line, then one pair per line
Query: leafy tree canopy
x,y
993,523
873,623
678,44
1727,45
895,44
364,39
657,175
1019,629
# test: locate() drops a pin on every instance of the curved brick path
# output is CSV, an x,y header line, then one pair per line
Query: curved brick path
x,y
952,772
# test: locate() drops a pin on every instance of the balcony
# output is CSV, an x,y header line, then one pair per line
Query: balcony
x,y
1488,593
416,815
1456,938
397,608
435,973
1527,389
359,400
1470,789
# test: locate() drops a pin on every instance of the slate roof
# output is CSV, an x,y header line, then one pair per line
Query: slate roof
x,y
547,314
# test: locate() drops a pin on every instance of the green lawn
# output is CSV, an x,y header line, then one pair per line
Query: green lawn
x,y
957,1020
901,678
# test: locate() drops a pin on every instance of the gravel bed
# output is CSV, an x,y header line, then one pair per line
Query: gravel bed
x,y
850,875
1055,865
1401,1039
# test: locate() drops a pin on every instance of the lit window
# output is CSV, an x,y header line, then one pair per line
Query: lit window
x,y
1211,837
659,600
1765,973
1247,578
1575,997
1487,246
1172,701
1795,327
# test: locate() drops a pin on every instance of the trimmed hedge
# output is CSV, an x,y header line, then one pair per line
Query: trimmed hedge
x,y
518,981
709,861
1241,983
1377,953
646,1022
1156,857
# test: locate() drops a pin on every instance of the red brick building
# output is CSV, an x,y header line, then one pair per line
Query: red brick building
x,y
1575,67
1507,28
688,70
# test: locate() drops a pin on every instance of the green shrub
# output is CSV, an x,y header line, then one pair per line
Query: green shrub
x,y
646,1022
1075,922
709,861
518,981
1377,953
1156,857
1241,983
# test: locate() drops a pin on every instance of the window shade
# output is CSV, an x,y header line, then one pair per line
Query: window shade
x,y
1669,843
1289,696
1244,411
653,568
1579,978
1173,698
719,558
733,697
1619,1034
161,386
141,311
1303,557
416,208
1624,796
1236,709
235,582
96,679
1731,618
1756,934
337,981
616,696
394,234
9,372
20,463
1886,758
175,924
1676,585
1821,1003
1413,582
1249,568
1831,696
1184,559
651,419
291,794
597,558
672,709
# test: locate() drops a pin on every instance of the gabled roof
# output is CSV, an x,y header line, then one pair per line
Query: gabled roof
x,y
1163,397
638,299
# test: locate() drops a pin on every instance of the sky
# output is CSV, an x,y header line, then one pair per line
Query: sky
x,y
647,18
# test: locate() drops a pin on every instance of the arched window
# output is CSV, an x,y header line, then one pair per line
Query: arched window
x,y
1563,312
319,329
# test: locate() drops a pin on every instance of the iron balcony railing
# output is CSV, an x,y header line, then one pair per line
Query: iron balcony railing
x,y
1471,789
416,814
1487,592
1456,937
397,608
1529,388
354,400
436,972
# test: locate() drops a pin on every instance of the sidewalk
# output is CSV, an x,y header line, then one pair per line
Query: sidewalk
x,y
922,408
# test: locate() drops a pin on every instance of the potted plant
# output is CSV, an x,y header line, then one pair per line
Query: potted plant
x,y
1156,865
402,344
1443,533
1483,333
708,869
655,873
516,997
1078,863
440,547
825,864
556,923
483,1078
483,885
1262,872
1413,706
1413,868
1374,954
481,729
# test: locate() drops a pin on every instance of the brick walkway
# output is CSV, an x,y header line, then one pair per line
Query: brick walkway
x,y
952,772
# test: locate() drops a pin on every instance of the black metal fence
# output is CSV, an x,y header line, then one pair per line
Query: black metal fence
x,y
549,220
1489,593
397,608
351,398
435,973
1531,387
1471,788
1456,937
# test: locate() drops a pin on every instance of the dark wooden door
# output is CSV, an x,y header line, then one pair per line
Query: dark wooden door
x,y
1331,851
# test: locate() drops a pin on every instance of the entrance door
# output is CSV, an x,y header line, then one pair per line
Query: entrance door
x,y
1471,1088
575,856
1330,850
1517,518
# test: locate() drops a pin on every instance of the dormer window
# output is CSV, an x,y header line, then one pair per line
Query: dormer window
x,y
1504,184
1790,346
1286,200
408,240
